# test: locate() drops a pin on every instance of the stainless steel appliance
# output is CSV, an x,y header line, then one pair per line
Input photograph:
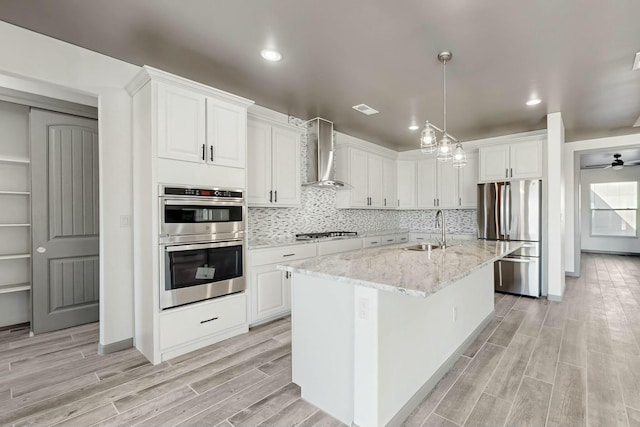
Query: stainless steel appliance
x,y
201,244
325,235
321,149
511,211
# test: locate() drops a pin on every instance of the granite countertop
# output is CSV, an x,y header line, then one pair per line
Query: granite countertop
x,y
272,243
395,269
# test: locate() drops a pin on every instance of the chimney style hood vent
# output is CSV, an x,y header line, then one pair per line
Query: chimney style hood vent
x,y
321,155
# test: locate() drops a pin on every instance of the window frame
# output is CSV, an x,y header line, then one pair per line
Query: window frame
x,y
636,210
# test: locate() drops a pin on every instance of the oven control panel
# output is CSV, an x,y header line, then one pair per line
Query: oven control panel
x,y
201,192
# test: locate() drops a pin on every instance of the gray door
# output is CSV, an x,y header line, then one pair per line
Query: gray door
x,y
64,211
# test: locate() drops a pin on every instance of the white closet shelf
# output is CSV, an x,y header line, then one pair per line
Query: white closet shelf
x,y
14,160
15,225
15,193
16,256
17,287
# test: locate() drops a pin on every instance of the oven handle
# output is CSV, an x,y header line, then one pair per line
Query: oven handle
x,y
181,202
176,248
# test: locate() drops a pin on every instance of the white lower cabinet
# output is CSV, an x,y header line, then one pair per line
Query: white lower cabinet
x,y
270,288
186,328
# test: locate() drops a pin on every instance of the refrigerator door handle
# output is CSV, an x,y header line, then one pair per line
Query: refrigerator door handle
x,y
507,225
502,204
500,272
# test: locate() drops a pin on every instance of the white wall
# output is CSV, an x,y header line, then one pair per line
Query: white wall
x,y
555,207
602,243
571,176
41,65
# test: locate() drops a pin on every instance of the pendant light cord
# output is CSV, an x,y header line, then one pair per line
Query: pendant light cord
x,y
444,93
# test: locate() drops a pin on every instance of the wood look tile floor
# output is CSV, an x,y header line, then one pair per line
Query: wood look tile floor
x,y
574,363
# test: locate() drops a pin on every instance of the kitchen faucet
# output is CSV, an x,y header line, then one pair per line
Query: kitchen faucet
x,y
443,241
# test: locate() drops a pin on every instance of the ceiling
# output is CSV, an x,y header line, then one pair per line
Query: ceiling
x,y
576,55
605,157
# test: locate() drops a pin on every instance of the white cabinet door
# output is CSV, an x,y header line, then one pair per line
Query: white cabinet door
x,y
181,124
447,186
269,292
468,183
427,183
390,183
286,167
358,178
526,160
258,163
494,163
374,180
226,133
407,184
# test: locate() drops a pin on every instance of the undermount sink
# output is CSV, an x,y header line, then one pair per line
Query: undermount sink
x,y
422,247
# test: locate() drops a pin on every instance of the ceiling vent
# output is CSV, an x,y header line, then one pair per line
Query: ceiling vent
x,y
365,109
636,62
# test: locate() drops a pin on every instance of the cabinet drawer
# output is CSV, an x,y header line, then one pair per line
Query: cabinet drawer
x,y
389,239
337,246
185,324
281,254
370,242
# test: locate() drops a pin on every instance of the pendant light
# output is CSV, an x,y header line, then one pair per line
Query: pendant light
x,y
444,148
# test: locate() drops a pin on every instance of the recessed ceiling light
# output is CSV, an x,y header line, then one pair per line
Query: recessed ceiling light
x,y
271,55
533,101
414,127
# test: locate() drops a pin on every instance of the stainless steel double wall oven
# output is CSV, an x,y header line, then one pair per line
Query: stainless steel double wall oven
x,y
201,243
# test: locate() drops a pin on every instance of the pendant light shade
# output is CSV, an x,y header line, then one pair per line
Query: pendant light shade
x,y
445,149
459,157
428,142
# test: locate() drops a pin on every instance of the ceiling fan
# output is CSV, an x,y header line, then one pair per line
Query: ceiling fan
x,y
616,165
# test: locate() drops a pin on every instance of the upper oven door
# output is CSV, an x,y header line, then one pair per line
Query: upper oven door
x,y
183,216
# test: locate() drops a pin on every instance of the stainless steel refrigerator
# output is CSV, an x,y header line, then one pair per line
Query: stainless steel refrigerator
x,y
511,211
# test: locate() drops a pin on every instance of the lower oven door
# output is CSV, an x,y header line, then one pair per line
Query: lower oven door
x,y
196,272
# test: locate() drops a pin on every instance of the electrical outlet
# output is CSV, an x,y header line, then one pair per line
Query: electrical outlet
x,y
125,221
363,308
455,314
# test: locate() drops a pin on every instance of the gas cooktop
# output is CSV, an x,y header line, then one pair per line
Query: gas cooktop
x,y
326,234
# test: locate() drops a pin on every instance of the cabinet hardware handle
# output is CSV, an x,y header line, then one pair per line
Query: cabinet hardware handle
x,y
285,255
389,240
270,196
511,172
438,202
374,243
385,201
506,173
398,202
275,196
211,153
286,274
434,202
459,201
208,320
204,148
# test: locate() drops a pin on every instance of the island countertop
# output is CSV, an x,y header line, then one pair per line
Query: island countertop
x,y
396,269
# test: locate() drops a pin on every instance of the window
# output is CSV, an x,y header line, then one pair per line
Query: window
x,y
614,209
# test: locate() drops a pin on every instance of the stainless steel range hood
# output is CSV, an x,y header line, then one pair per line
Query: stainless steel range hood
x,y
321,155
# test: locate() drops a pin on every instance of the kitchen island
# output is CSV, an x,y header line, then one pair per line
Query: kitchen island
x,y
374,330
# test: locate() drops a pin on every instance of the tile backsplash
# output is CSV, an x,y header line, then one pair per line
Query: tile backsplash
x,y
318,213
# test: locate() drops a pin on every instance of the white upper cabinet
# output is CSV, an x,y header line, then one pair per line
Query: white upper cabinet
x,y
468,183
440,185
494,163
427,183
526,160
366,173
273,165
181,124
447,185
390,183
374,181
516,160
226,133
200,128
407,184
